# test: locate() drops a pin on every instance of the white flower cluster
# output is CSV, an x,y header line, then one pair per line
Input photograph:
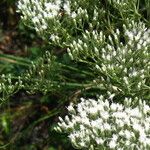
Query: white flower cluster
x,y
67,16
121,2
41,13
88,46
56,16
99,125
8,86
124,5
126,65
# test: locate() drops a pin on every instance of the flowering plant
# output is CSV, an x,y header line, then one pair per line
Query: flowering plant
x,y
99,124
121,67
104,48
60,21
118,57
119,60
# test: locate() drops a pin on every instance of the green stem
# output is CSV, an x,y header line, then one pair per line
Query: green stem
x,y
76,69
16,60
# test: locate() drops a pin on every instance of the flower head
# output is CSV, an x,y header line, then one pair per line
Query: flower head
x,y
117,127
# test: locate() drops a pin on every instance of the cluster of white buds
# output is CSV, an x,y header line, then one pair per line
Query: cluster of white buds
x,y
45,69
121,2
124,5
87,46
41,13
8,86
55,39
126,63
101,124
65,17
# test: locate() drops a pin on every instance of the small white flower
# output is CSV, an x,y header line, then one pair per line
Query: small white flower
x,y
127,134
71,109
115,137
97,124
105,115
73,15
99,141
112,144
106,126
142,136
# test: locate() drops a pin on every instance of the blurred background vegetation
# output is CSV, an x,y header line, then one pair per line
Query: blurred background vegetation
x,y
27,121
